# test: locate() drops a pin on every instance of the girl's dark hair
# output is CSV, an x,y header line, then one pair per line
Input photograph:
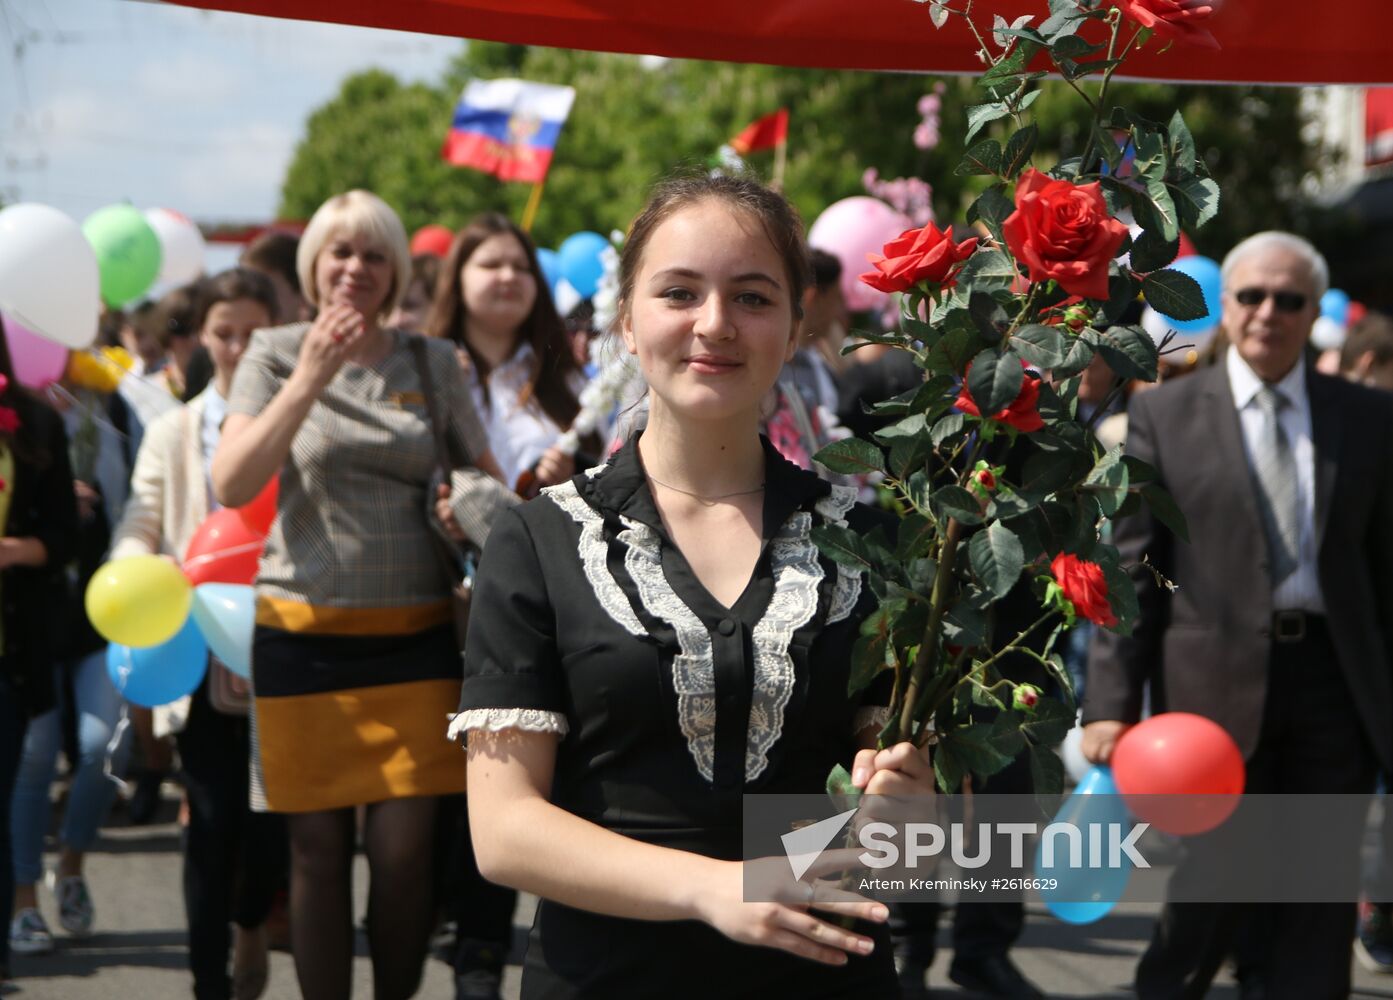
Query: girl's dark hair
x,y
26,446
778,219
542,328
176,313
231,285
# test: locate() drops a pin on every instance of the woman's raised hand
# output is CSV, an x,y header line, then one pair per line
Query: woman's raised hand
x,y
902,769
555,466
791,926
336,331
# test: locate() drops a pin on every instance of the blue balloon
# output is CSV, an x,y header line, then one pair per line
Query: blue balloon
x,y
580,261
550,262
1084,894
1206,273
1334,304
157,675
226,615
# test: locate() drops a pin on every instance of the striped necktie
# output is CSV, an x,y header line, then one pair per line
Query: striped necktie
x,y
1274,463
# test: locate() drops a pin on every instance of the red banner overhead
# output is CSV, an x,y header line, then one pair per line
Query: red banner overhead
x,y
1263,41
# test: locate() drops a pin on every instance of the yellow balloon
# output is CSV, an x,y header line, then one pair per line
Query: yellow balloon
x,y
139,601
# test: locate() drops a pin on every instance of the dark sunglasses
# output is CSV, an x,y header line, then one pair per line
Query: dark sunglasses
x,y
1287,302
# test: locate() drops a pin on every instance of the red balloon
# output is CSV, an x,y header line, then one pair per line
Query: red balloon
x,y
1187,247
259,514
223,550
432,239
1180,772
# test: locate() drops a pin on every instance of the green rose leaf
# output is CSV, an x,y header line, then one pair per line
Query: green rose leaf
x,y
1182,144
956,502
1107,482
1139,472
851,457
1039,344
986,270
1050,723
994,381
992,208
1047,777
1130,352
1073,47
1150,252
1122,292
974,749
946,427
1175,295
1018,150
839,784
1081,350
906,455
1164,509
981,115
983,158
910,426
1151,155
844,546
1158,209
1197,200
996,558
914,538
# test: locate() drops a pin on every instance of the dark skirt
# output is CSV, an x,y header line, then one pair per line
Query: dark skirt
x,y
575,955
341,721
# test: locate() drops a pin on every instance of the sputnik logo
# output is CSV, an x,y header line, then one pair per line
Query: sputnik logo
x,y
804,845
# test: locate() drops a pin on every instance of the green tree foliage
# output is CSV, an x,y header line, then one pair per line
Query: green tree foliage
x,y
633,123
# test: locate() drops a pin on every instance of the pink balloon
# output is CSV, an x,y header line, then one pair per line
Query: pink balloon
x,y
37,361
849,230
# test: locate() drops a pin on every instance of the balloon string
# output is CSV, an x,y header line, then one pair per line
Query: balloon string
x,y
235,550
90,412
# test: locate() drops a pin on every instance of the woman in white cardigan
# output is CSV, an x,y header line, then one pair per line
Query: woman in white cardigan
x,y
232,856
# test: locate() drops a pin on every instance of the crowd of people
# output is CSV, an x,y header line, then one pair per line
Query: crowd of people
x,y
652,633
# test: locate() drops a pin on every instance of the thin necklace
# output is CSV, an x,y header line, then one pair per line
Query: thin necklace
x,y
702,498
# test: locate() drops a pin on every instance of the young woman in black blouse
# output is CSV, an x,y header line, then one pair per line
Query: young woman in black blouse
x,y
653,639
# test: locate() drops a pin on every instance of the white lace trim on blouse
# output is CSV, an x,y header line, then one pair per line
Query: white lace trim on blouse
x,y
593,552
495,720
847,592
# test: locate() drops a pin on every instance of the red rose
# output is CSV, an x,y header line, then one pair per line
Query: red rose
x,y
917,255
1174,19
1021,414
1063,231
9,420
985,478
1085,586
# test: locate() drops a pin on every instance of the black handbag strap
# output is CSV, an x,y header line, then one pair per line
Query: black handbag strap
x,y
451,556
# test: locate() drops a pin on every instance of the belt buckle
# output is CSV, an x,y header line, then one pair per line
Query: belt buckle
x,y
1289,626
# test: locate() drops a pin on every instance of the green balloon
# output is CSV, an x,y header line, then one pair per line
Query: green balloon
x,y
128,252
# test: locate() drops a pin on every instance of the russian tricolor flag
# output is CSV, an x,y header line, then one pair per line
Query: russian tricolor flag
x,y
508,128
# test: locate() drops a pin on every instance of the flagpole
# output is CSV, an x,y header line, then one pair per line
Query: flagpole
x,y
780,161
529,214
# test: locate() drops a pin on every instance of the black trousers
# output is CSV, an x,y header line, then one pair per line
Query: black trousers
x,y
1311,742
234,859
14,720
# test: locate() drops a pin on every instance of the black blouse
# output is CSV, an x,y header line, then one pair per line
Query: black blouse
x,y
587,621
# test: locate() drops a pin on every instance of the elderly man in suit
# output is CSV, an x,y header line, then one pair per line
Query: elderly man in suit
x,y
1281,627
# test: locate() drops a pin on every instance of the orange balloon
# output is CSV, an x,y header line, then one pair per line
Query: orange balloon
x,y
223,550
259,514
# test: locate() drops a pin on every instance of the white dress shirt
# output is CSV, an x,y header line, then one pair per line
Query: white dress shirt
x,y
214,412
1301,589
519,430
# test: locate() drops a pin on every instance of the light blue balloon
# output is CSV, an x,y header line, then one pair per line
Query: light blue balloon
x,y
1206,273
580,261
226,614
1334,304
157,675
1083,895
550,262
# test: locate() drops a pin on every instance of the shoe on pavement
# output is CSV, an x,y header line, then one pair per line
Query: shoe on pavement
x,y
145,800
76,914
1373,945
479,969
29,935
993,976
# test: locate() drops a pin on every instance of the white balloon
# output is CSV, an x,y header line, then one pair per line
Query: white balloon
x,y
1072,751
566,296
48,275
182,245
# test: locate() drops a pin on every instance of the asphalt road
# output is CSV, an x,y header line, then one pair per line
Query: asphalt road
x,y
138,948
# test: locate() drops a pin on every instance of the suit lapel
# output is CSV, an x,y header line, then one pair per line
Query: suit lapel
x,y
1325,435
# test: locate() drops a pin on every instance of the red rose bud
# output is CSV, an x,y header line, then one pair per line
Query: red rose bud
x,y
1021,414
1062,230
918,255
986,479
1174,20
1026,697
1085,586
9,420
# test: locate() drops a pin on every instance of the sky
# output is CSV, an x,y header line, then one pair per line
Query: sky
x,y
109,100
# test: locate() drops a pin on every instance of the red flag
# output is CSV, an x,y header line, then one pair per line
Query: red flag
x,y
766,133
